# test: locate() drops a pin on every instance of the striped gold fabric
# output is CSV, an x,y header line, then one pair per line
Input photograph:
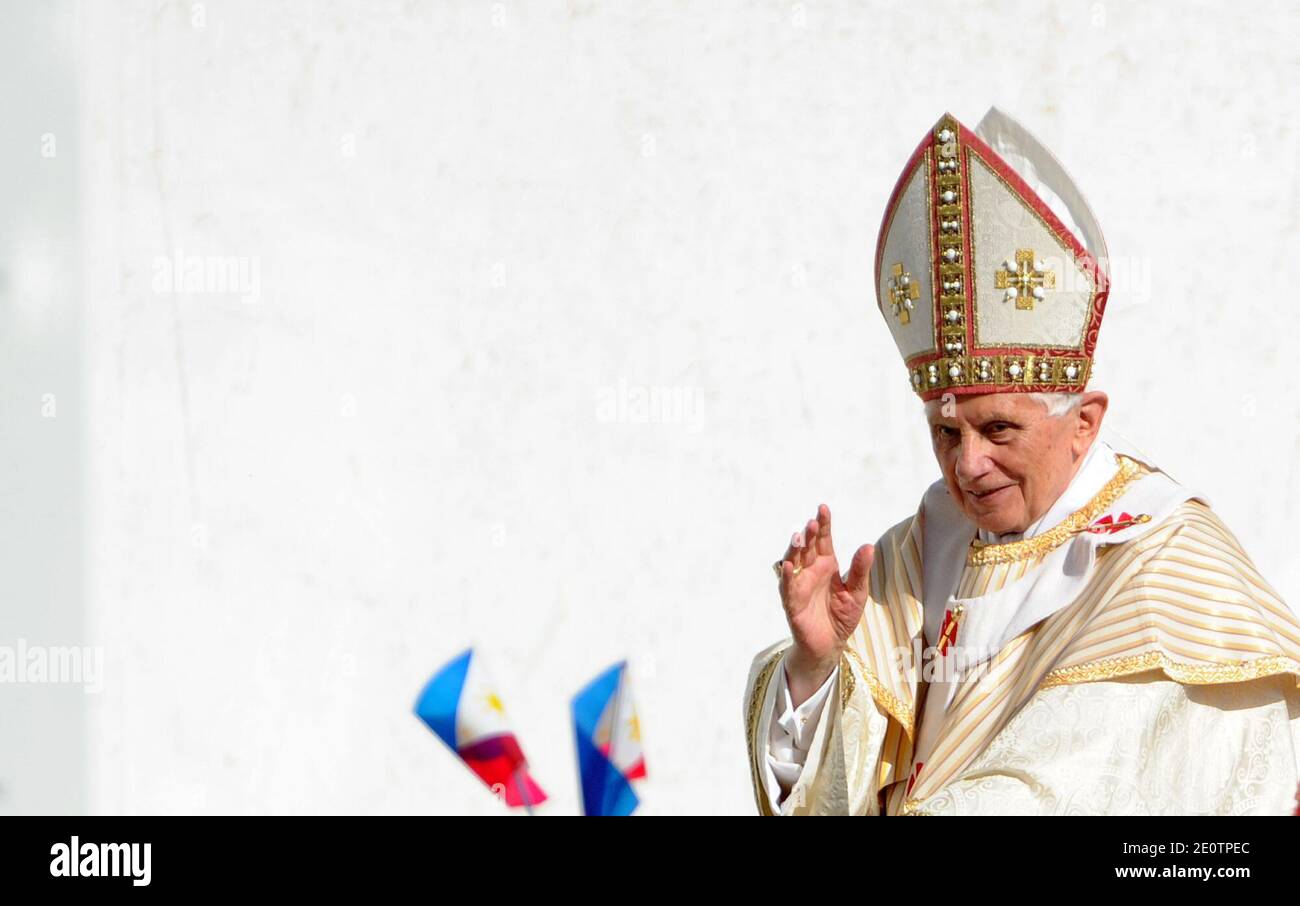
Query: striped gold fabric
x,y
977,581
1183,599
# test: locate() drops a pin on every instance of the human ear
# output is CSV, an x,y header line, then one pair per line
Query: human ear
x,y
1088,417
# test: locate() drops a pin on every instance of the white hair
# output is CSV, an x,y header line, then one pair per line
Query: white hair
x,y
1057,404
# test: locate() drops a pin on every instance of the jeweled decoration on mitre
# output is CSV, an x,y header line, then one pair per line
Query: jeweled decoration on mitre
x,y
987,265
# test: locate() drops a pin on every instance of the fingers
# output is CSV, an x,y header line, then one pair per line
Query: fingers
x,y
808,552
792,552
811,542
789,560
858,580
787,576
824,546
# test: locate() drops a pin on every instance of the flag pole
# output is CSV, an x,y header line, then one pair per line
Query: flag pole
x,y
521,778
614,723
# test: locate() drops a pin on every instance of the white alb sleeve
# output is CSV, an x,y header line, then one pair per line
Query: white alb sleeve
x,y
791,736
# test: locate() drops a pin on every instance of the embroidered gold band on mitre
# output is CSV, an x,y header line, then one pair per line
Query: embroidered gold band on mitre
x,y
981,553
1066,373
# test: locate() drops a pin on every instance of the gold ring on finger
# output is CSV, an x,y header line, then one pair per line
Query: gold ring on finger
x,y
776,568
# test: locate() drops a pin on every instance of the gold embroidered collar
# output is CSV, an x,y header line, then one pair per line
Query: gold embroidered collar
x,y
981,553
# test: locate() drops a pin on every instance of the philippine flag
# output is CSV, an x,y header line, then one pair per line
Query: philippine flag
x,y
609,744
461,705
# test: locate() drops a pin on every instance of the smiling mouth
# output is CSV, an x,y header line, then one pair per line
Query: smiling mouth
x,y
986,495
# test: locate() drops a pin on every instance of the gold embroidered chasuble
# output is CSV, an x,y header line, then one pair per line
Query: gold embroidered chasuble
x,y
1172,612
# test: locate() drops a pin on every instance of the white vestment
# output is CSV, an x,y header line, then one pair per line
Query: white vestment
x,y
1121,656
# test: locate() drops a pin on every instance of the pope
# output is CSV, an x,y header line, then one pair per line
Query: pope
x,y
1060,627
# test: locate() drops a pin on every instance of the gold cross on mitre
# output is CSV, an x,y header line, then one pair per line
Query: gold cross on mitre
x,y
1024,279
902,293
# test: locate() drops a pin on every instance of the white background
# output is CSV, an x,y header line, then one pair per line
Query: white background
x,y
475,224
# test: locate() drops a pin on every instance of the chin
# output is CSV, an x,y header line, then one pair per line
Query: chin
x,y
1000,523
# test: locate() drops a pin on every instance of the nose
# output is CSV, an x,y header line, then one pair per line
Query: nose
x,y
972,458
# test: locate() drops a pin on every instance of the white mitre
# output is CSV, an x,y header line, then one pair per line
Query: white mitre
x,y
1042,182
990,266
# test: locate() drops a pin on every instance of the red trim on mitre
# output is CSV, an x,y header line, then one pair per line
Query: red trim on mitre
x,y
978,389
967,246
972,143
1083,258
892,205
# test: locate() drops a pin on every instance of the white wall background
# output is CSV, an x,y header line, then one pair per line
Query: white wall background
x,y
43,412
473,224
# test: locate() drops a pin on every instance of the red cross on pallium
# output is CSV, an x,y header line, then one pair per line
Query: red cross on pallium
x,y
947,632
1108,523
911,781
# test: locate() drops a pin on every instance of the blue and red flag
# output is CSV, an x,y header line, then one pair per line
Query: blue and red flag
x,y
461,706
610,757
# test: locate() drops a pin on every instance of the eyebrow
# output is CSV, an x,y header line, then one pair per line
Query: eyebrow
x,y
991,420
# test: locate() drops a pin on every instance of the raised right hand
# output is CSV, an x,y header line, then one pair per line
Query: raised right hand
x,y
821,606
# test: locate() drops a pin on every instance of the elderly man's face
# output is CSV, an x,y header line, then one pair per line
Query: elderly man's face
x,y
1005,460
